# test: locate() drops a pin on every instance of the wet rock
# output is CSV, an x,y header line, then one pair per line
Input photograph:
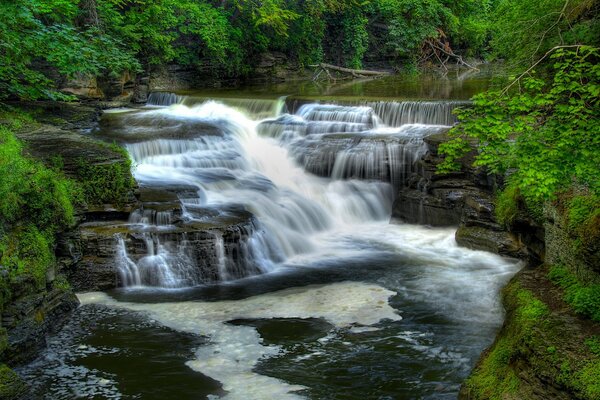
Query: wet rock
x,y
465,199
98,244
29,319
63,115
12,387
114,127
495,241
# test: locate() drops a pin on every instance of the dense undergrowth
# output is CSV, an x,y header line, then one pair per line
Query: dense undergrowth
x,y
541,133
583,297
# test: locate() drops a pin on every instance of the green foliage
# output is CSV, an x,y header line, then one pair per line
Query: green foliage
x,y
227,38
543,135
589,379
413,21
162,31
594,344
584,213
354,32
523,30
41,34
585,299
108,182
37,203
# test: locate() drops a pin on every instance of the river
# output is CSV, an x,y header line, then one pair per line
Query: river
x,y
321,296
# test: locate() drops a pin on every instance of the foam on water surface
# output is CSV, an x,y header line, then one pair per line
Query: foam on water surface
x,y
233,351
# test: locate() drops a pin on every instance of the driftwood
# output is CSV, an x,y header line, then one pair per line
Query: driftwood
x,y
335,72
439,48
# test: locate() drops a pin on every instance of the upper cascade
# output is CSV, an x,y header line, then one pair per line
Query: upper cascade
x,y
163,99
398,113
253,108
393,113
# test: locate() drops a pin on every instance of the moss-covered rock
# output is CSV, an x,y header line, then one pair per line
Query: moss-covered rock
x,y
577,251
495,241
12,386
542,351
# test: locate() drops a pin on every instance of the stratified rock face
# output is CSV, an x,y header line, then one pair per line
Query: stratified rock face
x,y
563,248
84,86
108,251
29,319
275,66
464,199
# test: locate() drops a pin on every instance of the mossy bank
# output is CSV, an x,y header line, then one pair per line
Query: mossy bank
x,y
549,346
52,177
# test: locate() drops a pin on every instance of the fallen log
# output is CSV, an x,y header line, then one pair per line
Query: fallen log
x,y
356,73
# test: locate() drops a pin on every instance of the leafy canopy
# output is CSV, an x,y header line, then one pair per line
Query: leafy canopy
x,y
543,134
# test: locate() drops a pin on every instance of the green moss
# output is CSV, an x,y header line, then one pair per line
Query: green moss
x,y
588,378
530,309
535,338
27,251
37,203
585,299
61,283
510,204
507,205
106,182
495,378
594,344
12,386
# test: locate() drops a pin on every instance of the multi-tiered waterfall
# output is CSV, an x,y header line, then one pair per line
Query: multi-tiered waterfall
x,y
233,188
294,197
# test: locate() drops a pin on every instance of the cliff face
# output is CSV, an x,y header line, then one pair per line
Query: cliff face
x,y
549,345
464,199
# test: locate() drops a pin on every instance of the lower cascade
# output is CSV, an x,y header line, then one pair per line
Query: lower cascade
x,y
234,195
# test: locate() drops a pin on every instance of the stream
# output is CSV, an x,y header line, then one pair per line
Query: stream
x,y
303,287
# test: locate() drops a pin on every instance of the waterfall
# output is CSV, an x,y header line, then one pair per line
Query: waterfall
x,y
163,99
255,108
398,113
243,189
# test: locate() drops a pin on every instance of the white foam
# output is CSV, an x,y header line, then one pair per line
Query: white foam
x,y
234,350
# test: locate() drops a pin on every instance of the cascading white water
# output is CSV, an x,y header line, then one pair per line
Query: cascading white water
x,y
244,162
163,99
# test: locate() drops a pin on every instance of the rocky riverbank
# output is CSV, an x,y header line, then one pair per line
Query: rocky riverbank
x,y
57,134
549,345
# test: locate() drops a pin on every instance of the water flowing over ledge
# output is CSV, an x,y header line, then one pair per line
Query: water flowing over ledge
x,y
298,176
